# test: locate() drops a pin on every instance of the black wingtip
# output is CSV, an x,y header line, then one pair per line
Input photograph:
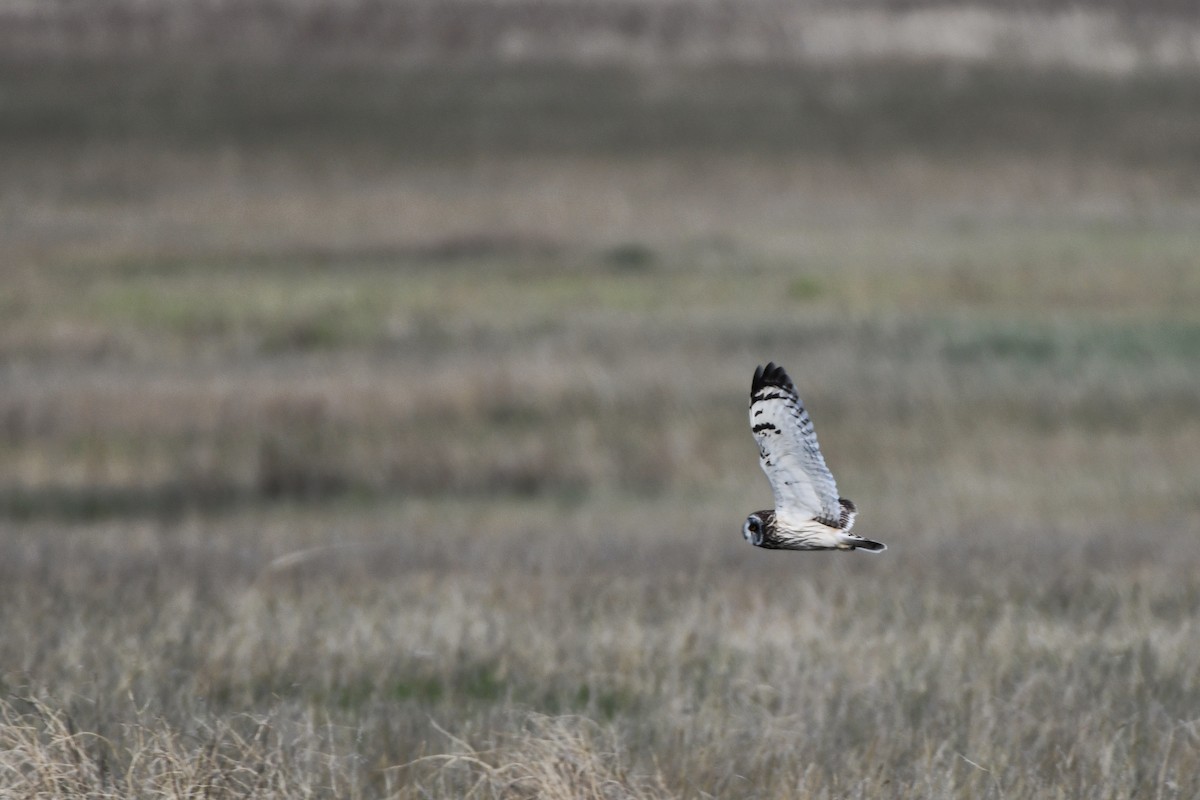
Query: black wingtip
x,y
771,375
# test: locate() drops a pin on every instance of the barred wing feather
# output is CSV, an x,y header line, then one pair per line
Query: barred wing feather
x,y
788,451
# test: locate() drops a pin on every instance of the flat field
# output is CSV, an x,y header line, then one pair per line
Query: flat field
x,y
397,448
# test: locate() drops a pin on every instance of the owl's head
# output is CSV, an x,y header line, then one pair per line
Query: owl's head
x,y
754,529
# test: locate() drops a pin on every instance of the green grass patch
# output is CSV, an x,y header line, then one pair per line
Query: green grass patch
x,y
279,314
805,289
427,689
1033,344
631,257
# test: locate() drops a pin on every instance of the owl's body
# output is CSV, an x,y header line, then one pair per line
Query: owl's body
x,y
808,513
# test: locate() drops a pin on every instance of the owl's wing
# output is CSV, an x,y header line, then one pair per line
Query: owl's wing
x,y
788,451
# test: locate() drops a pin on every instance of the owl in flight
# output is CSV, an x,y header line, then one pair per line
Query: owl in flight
x,y
808,513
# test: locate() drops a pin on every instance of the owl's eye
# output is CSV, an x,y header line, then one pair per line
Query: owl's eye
x,y
752,529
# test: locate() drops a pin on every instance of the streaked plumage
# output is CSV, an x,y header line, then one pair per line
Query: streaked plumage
x,y
808,513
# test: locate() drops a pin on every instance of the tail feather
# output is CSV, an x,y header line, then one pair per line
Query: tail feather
x,y
869,545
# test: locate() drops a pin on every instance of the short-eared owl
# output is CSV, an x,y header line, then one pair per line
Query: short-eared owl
x,y
808,513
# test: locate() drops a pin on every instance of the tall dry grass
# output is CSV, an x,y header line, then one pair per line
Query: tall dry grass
x,y
437,651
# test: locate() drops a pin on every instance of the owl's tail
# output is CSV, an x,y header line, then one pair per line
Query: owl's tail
x,y
869,546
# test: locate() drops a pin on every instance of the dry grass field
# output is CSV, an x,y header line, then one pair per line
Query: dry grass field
x,y
379,432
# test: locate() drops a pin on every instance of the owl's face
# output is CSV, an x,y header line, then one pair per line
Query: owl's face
x,y
754,529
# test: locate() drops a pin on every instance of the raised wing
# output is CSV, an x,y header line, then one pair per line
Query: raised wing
x,y
788,451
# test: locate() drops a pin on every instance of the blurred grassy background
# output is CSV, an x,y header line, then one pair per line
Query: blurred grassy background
x,y
391,362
